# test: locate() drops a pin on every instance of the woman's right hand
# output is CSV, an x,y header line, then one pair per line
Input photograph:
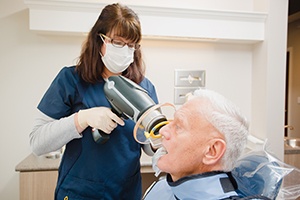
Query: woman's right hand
x,y
100,118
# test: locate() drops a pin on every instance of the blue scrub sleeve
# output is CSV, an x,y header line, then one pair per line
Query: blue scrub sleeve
x,y
57,100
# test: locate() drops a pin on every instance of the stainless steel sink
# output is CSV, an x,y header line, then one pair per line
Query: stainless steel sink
x,y
293,142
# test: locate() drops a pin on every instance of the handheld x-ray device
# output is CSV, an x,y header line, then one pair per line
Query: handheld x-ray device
x,y
130,101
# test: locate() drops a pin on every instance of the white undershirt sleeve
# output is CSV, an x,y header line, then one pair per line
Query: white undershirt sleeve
x,y
49,134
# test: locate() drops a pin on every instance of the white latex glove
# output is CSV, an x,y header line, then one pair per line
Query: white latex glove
x,y
100,118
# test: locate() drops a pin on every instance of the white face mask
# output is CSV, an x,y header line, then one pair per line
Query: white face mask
x,y
117,59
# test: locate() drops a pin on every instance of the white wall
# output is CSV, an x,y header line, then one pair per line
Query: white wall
x,y
225,65
268,79
29,61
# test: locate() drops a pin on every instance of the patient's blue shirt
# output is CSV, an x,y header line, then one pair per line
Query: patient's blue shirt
x,y
208,186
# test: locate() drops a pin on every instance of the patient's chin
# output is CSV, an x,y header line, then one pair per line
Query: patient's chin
x,y
162,162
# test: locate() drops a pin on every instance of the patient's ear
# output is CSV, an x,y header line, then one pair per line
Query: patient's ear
x,y
214,151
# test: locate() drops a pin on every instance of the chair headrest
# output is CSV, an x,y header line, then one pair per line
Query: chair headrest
x,y
257,175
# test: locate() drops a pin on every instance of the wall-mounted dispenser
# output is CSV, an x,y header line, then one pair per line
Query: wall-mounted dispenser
x,y
187,81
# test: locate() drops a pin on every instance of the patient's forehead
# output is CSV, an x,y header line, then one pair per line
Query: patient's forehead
x,y
189,112
195,104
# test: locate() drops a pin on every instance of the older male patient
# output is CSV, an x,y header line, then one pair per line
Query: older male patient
x,y
201,146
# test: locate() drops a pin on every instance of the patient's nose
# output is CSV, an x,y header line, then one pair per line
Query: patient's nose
x,y
165,132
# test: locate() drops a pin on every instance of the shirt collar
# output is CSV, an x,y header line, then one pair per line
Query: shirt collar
x,y
210,185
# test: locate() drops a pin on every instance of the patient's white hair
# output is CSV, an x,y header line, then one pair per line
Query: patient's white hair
x,y
227,119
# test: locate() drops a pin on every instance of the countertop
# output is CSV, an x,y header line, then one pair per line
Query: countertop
x,y
42,163
38,163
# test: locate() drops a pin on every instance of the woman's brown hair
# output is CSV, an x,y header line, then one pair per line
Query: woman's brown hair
x,y
125,23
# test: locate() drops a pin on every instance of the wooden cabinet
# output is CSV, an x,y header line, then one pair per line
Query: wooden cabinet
x,y
41,184
38,176
292,156
292,159
37,185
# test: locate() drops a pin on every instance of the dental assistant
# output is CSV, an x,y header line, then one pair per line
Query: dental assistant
x,y
75,104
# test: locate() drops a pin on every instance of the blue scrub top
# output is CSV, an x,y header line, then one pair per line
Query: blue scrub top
x,y
89,170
